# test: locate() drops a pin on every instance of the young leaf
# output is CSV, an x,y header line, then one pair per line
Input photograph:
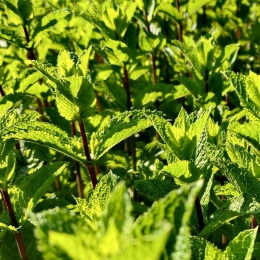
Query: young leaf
x,y
65,64
117,210
75,98
92,209
83,63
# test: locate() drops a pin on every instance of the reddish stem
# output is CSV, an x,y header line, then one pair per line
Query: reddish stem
x,y
18,235
254,222
199,213
154,69
2,91
130,142
180,38
91,170
30,53
77,167
127,89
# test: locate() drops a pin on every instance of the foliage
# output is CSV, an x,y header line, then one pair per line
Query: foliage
x,y
129,129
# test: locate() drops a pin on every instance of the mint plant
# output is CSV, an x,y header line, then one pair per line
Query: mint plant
x,y
129,129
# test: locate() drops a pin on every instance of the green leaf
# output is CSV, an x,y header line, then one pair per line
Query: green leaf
x,y
242,246
154,189
25,8
92,209
184,171
33,187
65,64
241,178
48,21
46,71
184,135
119,128
9,248
227,55
160,91
170,10
117,211
12,12
10,170
113,239
83,63
12,35
44,134
193,57
75,98
49,222
195,5
246,89
238,206
3,226
176,207
204,250
249,132
8,101
253,88
149,9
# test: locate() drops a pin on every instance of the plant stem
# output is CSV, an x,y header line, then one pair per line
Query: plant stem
x,y
223,237
254,223
154,69
204,15
238,30
99,107
31,56
127,89
2,92
206,80
130,142
30,53
199,213
90,168
18,235
180,38
77,167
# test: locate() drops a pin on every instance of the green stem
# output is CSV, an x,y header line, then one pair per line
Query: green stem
x,y
90,168
18,235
